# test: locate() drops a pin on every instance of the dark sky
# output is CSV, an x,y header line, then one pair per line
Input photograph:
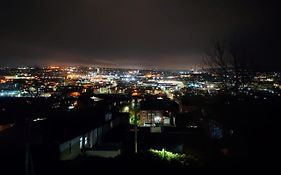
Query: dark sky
x,y
134,33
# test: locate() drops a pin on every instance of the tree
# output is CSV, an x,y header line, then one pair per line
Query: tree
x,y
34,88
217,61
225,61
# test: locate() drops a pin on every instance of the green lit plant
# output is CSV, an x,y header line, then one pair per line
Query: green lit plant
x,y
171,157
134,119
134,112
167,155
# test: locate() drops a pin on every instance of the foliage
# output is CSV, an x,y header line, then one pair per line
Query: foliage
x,y
225,60
134,112
176,159
134,119
167,155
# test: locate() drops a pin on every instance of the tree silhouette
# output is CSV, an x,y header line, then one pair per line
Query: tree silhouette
x,y
34,88
224,59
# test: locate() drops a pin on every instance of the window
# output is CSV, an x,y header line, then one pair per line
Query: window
x,y
81,142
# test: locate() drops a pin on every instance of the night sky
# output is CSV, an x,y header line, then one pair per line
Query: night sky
x,y
135,33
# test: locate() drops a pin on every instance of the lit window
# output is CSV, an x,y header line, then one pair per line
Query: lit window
x,y
81,142
86,140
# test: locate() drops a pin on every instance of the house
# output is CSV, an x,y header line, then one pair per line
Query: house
x,y
85,139
157,111
190,103
78,131
60,133
192,120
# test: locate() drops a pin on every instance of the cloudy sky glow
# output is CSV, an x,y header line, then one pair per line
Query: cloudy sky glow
x,y
123,33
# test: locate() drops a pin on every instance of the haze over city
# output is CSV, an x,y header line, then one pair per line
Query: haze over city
x,y
136,34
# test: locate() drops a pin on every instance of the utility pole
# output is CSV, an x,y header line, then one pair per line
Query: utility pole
x,y
136,128
29,169
136,137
